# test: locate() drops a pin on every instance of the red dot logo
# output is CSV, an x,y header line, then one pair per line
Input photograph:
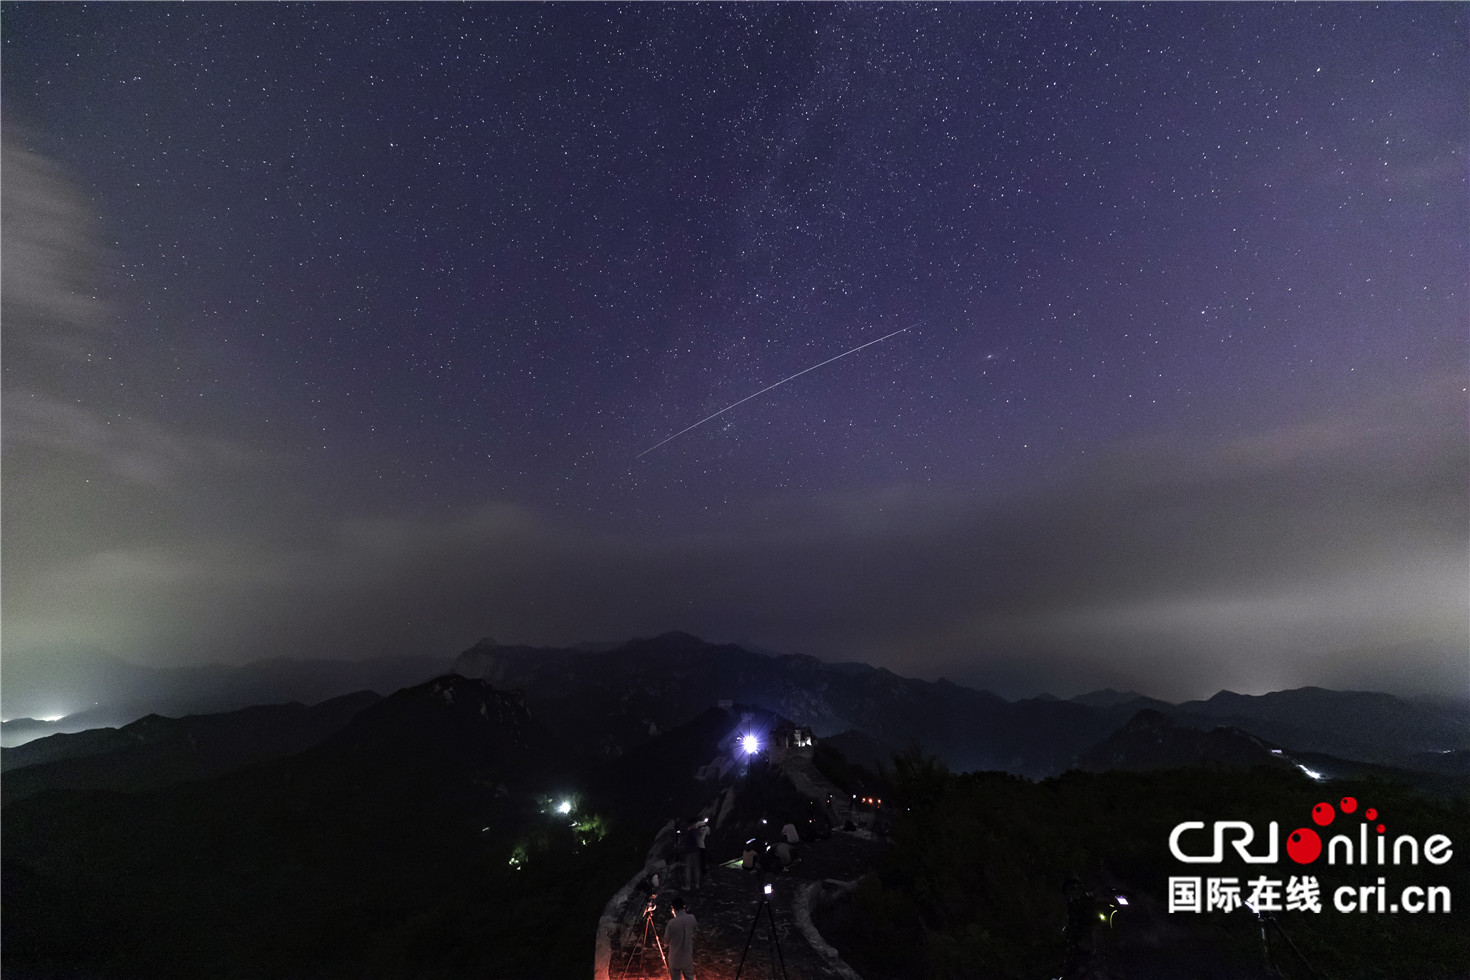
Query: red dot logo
x,y
1380,828
1370,814
1348,804
1322,814
1303,845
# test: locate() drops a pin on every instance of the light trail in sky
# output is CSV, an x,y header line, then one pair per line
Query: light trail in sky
x,y
768,388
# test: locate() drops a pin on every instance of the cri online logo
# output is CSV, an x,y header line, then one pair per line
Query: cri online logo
x,y
1304,845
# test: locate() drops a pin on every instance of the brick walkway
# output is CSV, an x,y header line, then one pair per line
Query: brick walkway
x,y
726,905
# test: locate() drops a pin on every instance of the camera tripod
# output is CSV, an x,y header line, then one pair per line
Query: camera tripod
x,y
641,946
764,906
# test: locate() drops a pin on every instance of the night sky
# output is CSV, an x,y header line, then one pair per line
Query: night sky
x,y
348,330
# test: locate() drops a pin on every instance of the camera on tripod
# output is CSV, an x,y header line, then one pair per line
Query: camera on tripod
x,y
764,908
644,940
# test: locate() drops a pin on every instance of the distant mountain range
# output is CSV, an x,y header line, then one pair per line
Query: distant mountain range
x,y
609,699
1153,740
605,699
157,751
97,690
1379,728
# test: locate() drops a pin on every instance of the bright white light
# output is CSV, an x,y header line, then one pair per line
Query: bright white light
x,y
565,806
750,744
1311,772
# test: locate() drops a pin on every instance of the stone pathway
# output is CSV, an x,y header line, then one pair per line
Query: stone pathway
x,y
726,906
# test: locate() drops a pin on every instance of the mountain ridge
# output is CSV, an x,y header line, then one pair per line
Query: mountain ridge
x,y
156,751
94,690
606,699
650,683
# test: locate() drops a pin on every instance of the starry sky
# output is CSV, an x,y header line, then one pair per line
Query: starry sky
x,y
340,330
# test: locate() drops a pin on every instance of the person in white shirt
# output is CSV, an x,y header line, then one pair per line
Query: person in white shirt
x,y
701,837
679,938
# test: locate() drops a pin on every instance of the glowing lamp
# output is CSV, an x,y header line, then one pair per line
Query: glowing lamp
x,y
750,744
565,806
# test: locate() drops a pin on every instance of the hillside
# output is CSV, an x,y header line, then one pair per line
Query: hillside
x,y
380,851
156,751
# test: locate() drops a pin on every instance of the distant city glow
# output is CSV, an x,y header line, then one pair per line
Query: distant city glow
x,y
750,744
46,718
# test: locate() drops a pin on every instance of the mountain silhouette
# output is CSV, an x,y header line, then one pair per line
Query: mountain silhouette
x,y
103,691
1152,740
156,751
609,699
332,862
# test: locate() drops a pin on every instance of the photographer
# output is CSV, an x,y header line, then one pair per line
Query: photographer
x,y
679,937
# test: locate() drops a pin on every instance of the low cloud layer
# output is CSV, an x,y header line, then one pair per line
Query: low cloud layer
x,y
1316,553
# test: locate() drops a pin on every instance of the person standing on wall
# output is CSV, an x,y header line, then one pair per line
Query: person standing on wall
x,y
679,938
701,836
689,851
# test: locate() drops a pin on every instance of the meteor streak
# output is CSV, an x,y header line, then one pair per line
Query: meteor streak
x,y
768,388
